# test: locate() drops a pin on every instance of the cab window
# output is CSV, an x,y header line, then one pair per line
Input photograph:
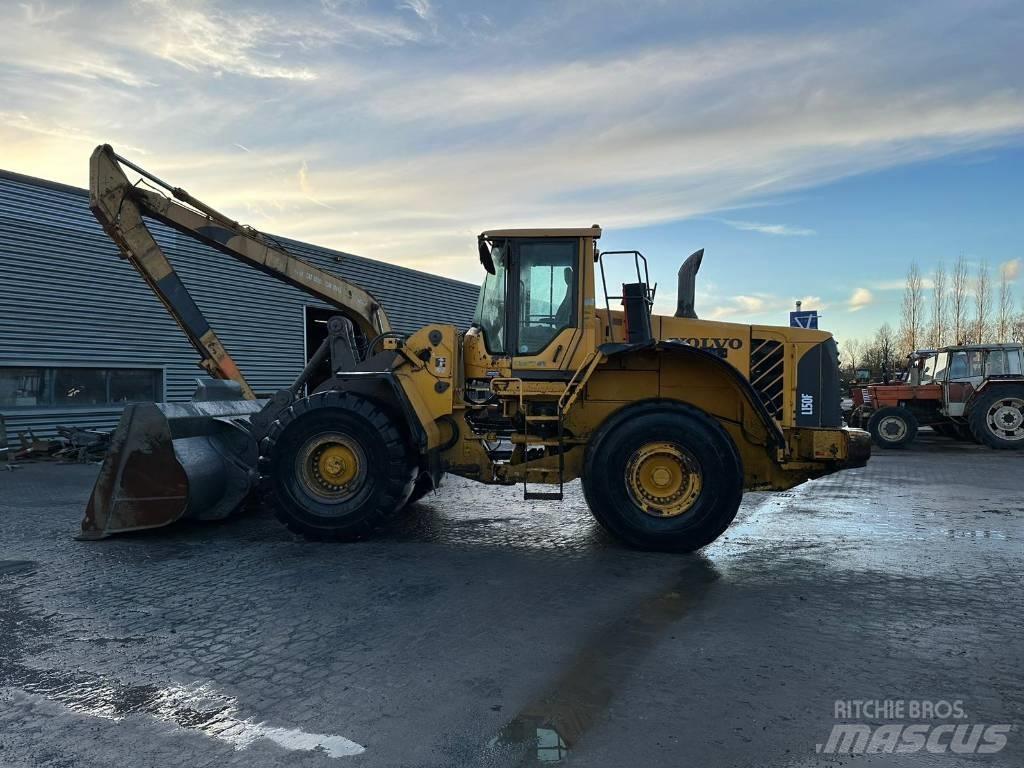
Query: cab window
x,y
1003,362
490,305
976,363
547,293
928,370
996,364
958,366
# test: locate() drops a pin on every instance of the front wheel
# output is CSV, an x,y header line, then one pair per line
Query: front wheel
x,y
335,465
997,417
663,476
892,427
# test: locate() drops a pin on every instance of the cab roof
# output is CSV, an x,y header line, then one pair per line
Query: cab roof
x,y
971,347
497,234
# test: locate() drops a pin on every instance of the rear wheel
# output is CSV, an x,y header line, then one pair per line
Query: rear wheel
x,y
335,465
997,417
892,427
663,476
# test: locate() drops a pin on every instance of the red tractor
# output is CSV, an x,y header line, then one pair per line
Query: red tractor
x,y
965,392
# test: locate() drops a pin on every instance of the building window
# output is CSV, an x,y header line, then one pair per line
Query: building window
x,y
44,387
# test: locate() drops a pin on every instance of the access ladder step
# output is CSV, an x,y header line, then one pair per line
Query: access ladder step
x,y
543,495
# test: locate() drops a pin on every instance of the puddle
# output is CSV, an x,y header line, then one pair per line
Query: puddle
x,y
197,707
16,566
547,729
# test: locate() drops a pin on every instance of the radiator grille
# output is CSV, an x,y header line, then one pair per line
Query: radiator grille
x,y
766,373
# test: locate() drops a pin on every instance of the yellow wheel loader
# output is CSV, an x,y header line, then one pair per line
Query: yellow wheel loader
x,y
666,419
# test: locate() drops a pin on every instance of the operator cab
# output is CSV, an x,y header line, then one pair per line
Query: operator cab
x,y
530,312
537,278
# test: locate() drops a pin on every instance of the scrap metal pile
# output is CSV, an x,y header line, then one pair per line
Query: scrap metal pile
x,y
72,444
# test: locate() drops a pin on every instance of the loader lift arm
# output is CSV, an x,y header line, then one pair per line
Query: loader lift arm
x,y
120,206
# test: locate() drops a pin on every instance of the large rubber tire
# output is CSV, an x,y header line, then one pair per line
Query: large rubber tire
x,y
606,486
997,417
382,485
892,427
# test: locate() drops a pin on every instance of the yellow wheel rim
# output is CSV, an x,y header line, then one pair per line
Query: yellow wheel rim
x,y
663,479
331,465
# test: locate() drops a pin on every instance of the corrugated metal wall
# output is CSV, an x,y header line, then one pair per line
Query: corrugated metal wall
x,y
66,298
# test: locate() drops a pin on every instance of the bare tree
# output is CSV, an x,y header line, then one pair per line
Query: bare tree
x,y
1004,316
851,351
912,311
885,349
1017,329
982,304
958,300
937,332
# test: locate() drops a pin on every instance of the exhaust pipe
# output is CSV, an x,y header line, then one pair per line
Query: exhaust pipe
x,y
687,282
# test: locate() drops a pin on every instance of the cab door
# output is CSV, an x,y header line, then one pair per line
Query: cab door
x,y
544,303
965,372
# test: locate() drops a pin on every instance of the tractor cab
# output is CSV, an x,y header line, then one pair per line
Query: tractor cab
x,y
962,371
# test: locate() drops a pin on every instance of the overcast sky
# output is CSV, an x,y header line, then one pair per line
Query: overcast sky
x,y
814,148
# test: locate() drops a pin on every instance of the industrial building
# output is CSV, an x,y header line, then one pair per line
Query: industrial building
x,y
81,334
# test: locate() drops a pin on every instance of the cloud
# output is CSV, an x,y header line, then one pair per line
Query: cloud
x,y
769,229
900,283
749,303
223,42
1010,269
306,186
860,298
421,8
354,26
813,302
761,306
421,135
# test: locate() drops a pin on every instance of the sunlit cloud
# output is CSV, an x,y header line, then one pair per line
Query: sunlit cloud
x,y
859,299
399,130
769,229
764,307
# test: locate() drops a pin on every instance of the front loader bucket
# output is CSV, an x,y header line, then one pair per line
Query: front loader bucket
x,y
168,461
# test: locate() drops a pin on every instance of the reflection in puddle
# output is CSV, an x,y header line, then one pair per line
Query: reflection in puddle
x,y
194,707
550,746
986,533
550,726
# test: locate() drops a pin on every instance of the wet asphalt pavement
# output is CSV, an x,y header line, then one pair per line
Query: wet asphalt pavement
x,y
485,630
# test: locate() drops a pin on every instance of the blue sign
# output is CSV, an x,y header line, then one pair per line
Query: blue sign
x,y
804,319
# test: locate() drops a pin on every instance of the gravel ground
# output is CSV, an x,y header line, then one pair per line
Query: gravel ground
x,y
485,630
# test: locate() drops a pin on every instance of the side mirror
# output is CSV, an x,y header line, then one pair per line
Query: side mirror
x,y
485,255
